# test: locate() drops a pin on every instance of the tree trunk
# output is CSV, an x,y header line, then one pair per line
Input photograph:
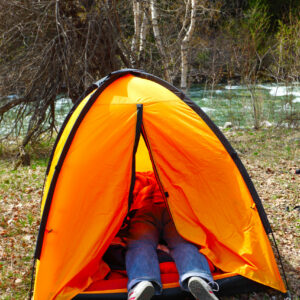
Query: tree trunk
x,y
159,44
86,80
185,45
137,11
143,35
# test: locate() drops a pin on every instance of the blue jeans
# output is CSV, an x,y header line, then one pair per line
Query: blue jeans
x,y
144,232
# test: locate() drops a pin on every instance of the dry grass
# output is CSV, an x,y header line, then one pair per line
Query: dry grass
x,y
271,158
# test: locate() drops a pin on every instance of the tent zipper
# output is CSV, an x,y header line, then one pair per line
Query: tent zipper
x,y
165,194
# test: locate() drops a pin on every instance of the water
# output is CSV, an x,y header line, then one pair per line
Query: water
x,y
224,103
233,103
62,107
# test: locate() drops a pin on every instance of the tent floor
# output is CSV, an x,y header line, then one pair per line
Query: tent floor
x,y
228,286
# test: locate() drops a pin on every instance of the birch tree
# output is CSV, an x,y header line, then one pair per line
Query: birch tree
x,y
137,15
158,39
186,41
169,50
141,26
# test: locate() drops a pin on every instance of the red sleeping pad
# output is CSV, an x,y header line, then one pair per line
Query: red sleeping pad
x,y
117,279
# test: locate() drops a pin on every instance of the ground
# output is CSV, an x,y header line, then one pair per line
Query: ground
x,y
270,156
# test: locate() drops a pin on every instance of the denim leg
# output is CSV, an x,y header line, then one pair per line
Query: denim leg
x,y
189,261
141,256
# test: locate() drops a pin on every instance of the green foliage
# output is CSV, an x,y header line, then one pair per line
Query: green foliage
x,y
257,21
288,46
250,29
202,56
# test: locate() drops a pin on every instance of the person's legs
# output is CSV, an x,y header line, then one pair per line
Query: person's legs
x,y
189,261
141,256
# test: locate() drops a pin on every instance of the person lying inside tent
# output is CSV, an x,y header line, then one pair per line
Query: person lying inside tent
x,y
150,223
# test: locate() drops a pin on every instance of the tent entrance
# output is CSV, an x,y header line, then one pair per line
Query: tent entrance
x,y
142,157
114,285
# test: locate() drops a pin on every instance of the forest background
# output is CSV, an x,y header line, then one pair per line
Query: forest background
x,y
51,49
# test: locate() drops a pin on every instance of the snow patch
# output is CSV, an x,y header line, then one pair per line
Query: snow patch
x,y
284,91
279,91
266,124
233,87
207,109
266,87
205,99
296,100
227,125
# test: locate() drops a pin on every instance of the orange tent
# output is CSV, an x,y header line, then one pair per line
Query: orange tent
x,y
129,122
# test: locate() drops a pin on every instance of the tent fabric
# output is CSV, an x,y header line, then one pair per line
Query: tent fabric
x,y
91,176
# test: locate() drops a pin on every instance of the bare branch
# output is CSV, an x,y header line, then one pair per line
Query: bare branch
x,y
6,107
